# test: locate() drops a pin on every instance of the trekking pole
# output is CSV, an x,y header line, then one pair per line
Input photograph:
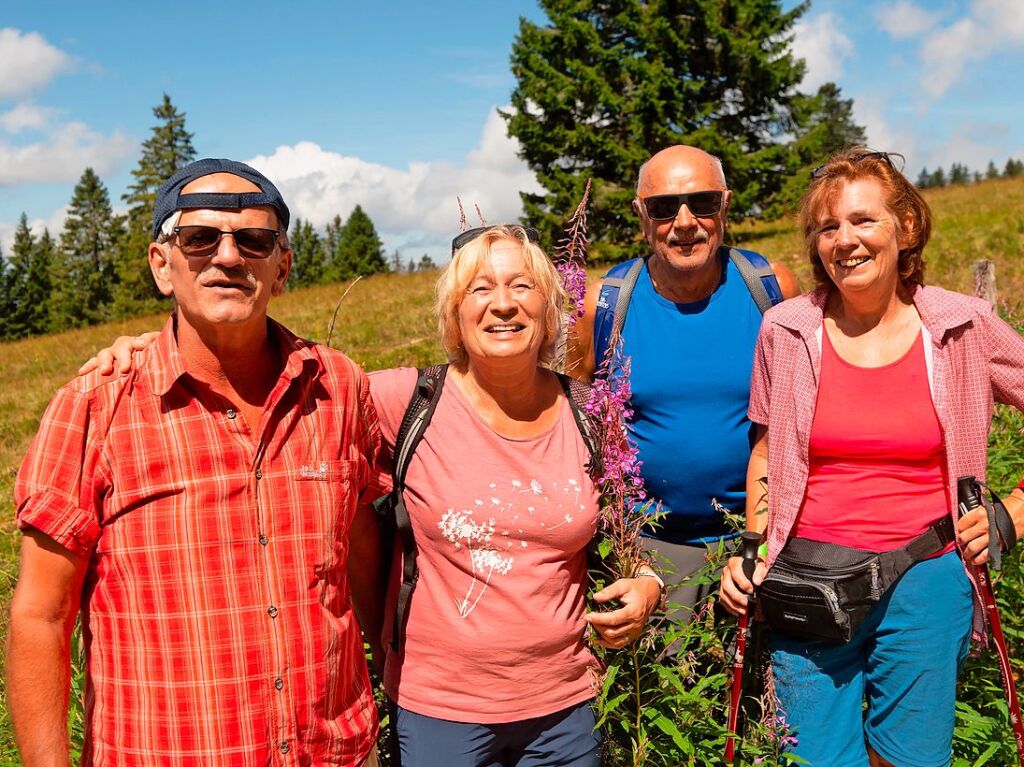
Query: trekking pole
x,y
970,498
750,542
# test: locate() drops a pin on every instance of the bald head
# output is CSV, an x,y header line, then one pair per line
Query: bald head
x,y
680,163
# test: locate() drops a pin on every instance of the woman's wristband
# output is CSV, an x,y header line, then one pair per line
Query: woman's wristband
x,y
645,571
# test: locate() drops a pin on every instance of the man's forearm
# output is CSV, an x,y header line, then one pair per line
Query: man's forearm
x,y
38,671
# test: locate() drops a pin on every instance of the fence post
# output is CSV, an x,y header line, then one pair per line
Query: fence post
x,y
985,281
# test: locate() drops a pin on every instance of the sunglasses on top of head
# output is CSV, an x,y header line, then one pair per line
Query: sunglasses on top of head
x,y
469,235
665,207
202,241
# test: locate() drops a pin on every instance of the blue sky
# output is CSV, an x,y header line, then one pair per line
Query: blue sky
x,y
392,105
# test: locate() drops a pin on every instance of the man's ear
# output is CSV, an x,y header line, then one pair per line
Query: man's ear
x,y
636,207
284,268
160,266
726,199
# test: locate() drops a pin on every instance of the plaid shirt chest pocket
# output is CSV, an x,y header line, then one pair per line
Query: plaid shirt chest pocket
x,y
329,491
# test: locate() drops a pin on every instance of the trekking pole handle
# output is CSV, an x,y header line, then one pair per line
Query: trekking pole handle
x,y
750,542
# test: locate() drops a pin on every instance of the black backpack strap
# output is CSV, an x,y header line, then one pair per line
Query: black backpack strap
x,y
758,276
417,417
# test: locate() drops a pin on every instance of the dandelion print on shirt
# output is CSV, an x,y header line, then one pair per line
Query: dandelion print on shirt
x,y
473,531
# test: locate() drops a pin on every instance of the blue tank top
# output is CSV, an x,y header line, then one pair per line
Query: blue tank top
x,y
690,378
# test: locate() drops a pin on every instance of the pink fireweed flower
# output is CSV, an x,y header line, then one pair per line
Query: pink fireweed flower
x,y
624,505
571,257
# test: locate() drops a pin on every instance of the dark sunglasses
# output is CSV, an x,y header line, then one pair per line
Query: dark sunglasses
x,y
471,234
665,207
202,241
886,156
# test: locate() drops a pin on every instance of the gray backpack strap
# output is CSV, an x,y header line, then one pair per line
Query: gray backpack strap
x,y
625,293
754,278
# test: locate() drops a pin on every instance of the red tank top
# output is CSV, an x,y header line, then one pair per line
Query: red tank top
x,y
877,459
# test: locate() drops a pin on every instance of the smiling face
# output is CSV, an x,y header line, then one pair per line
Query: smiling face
x,y
502,314
688,244
858,239
223,288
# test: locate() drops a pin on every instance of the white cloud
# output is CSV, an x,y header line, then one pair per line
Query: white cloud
x,y
869,110
63,155
28,62
54,223
413,207
989,26
904,19
823,47
26,116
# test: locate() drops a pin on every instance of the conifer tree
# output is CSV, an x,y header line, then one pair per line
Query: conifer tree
x,y
395,262
991,171
307,254
426,262
29,284
168,148
938,178
605,84
959,174
334,267
87,267
1013,168
924,179
6,299
359,249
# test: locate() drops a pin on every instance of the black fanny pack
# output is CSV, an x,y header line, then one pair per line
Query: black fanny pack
x,y
823,591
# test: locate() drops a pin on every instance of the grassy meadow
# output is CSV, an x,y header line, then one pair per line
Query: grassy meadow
x,y
387,320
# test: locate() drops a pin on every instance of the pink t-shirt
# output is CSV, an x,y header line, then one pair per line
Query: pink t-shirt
x,y
877,458
495,627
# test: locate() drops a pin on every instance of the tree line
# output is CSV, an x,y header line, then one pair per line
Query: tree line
x,y
961,174
96,270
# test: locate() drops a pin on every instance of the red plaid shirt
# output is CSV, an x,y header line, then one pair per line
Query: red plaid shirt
x,y
217,617
976,360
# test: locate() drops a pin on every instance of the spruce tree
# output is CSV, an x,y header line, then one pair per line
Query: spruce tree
x,y
307,255
29,283
360,248
938,178
991,171
1013,168
168,148
606,84
426,262
959,174
924,179
6,299
395,262
335,269
87,265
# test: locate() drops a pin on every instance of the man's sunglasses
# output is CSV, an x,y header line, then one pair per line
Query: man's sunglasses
x,y
665,207
886,156
202,241
469,235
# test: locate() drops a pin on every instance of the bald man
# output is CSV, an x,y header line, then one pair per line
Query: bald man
x,y
689,329
201,510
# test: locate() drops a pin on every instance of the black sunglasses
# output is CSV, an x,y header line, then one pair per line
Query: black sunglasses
x,y
469,235
665,207
202,241
886,156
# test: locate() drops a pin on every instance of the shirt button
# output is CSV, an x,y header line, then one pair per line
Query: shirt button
x,y
279,684
263,540
272,611
259,474
285,748
231,413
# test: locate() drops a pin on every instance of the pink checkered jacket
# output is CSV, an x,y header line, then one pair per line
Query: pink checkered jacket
x,y
974,359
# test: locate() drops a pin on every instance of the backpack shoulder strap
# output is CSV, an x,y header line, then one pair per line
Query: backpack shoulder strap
x,y
758,276
578,394
612,303
414,423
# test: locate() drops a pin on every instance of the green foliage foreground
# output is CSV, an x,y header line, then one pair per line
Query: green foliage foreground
x,y
654,711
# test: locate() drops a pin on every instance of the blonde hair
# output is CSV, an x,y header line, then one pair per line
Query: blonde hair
x,y
466,264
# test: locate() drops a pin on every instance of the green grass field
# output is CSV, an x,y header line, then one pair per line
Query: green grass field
x,y
387,320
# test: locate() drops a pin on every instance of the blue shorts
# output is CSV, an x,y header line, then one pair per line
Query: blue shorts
x,y
565,738
904,660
